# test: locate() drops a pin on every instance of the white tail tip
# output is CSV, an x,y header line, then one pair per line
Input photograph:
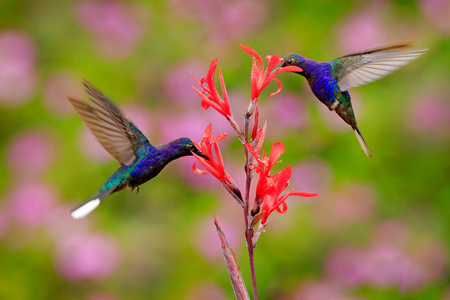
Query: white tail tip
x,y
85,209
362,143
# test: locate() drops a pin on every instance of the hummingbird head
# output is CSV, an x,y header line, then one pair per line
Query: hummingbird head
x,y
292,60
188,147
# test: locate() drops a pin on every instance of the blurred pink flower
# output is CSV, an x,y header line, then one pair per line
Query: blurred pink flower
x,y
58,87
289,112
91,148
382,266
192,124
205,291
313,174
141,118
32,202
385,266
17,68
361,30
430,115
204,237
225,20
320,290
437,12
115,25
178,83
60,223
87,256
29,154
353,203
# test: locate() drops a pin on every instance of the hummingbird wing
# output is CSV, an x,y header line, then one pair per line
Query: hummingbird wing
x,y
357,69
113,131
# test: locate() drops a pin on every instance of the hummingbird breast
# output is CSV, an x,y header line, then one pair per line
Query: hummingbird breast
x,y
324,86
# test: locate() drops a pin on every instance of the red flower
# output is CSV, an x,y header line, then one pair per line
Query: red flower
x,y
264,166
210,96
270,187
273,201
208,145
260,77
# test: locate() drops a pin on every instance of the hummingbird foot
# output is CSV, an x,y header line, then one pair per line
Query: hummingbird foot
x,y
135,188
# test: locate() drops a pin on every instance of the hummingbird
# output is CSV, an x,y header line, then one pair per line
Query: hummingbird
x,y
330,81
140,161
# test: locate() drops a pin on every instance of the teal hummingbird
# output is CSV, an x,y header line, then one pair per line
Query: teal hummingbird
x,y
140,161
330,81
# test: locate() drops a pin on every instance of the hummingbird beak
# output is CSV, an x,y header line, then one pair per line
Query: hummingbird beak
x,y
200,153
276,68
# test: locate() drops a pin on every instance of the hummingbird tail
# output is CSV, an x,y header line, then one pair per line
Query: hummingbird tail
x,y
87,207
362,142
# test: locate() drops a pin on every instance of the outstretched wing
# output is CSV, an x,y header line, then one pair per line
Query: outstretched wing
x,y
361,68
113,131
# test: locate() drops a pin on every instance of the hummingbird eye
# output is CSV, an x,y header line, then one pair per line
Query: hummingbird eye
x,y
289,61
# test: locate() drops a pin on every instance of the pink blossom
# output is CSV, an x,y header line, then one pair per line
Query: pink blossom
x,y
87,256
58,87
430,115
141,118
17,68
116,26
381,266
29,154
361,30
352,204
289,112
178,83
437,12
319,290
32,202
313,174
91,148
223,20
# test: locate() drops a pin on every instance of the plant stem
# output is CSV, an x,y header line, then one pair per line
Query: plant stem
x,y
249,229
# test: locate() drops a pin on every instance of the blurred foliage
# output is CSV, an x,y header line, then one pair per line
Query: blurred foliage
x,y
161,242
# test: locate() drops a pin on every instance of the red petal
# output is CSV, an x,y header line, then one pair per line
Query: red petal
x,y
226,104
219,137
276,151
279,87
253,53
197,170
303,194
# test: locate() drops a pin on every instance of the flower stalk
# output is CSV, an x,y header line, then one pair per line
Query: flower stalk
x,y
270,186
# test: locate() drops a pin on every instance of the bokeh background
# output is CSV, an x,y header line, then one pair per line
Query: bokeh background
x,y
380,228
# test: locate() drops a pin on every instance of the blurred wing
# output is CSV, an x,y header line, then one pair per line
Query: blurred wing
x,y
113,131
361,68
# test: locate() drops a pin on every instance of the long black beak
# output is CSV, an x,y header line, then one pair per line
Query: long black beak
x,y
276,68
200,153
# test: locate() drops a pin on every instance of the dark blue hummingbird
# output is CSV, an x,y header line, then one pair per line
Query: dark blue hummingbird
x,y
140,160
330,81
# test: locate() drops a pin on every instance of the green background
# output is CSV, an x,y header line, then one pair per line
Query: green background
x,y
379,228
